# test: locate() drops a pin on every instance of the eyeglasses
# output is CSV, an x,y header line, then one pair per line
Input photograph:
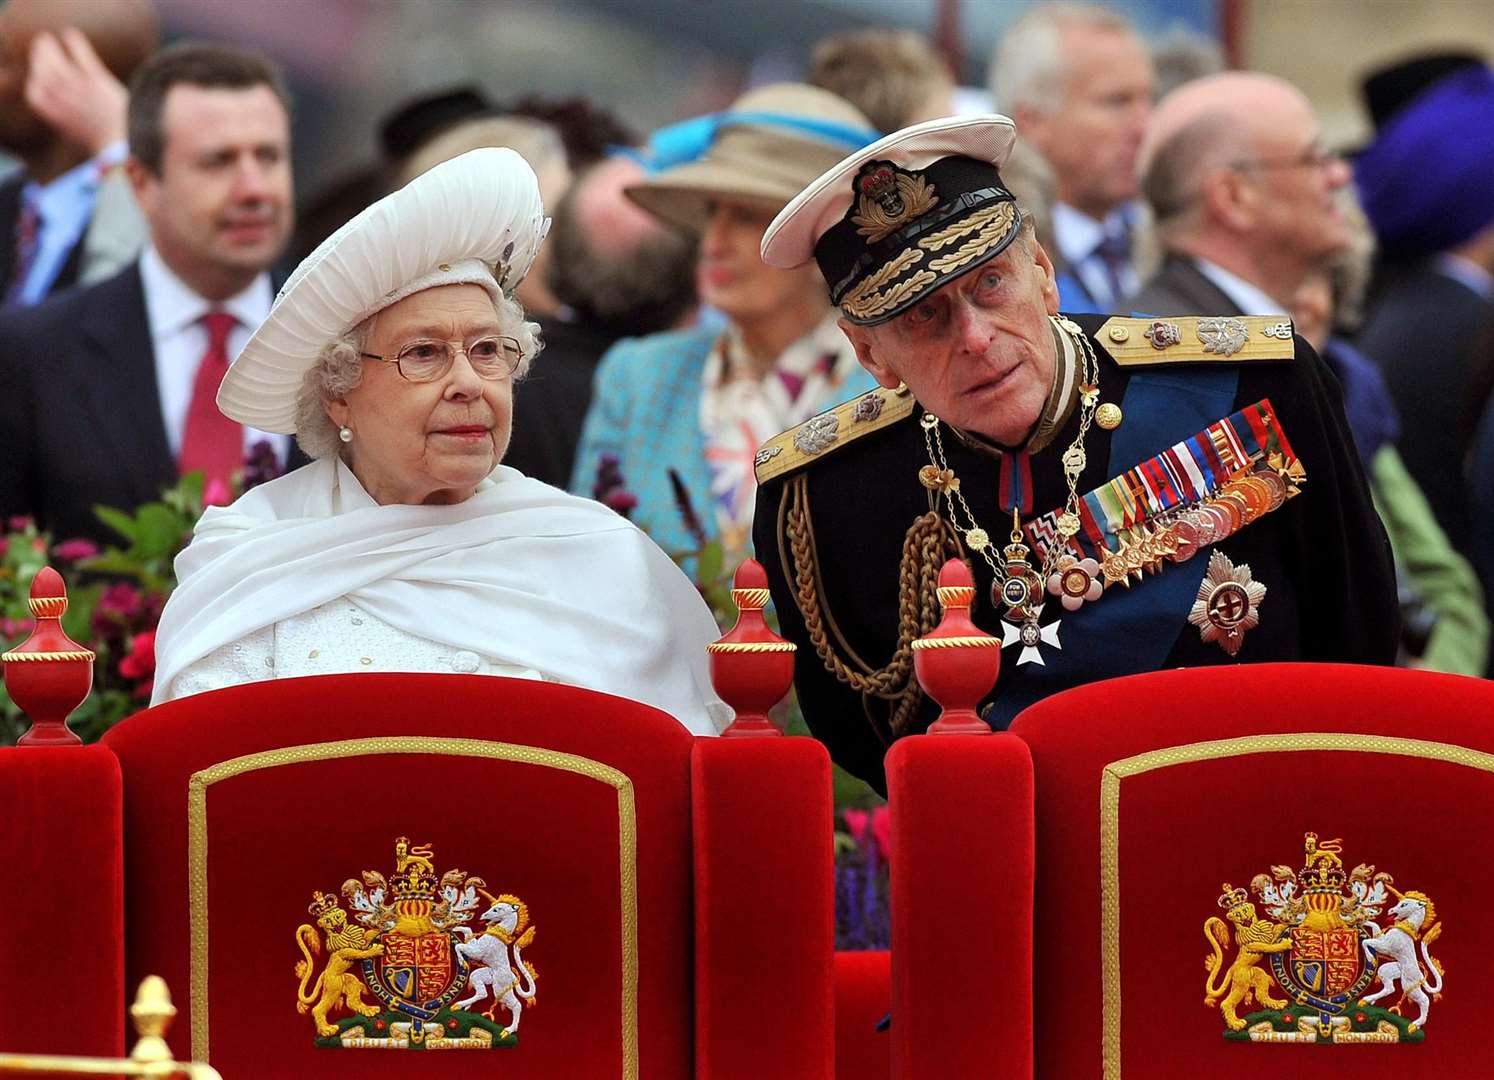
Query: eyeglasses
x,y
1314,157
492,357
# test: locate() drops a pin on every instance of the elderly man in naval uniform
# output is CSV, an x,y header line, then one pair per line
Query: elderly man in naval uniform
x,y
1131,494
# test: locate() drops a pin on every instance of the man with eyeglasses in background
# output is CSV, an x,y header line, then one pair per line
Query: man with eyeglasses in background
x,y
1247,202
110,389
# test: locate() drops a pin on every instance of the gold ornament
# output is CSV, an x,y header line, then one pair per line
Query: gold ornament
x,y
1109,416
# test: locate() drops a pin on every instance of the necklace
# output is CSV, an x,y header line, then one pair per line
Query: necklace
x,y
1016,584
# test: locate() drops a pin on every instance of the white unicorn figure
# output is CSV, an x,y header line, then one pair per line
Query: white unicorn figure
x,y
488,953
1395,950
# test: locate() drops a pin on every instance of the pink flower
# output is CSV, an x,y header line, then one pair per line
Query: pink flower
x,y
116,607
10,628
73,550
217,493
881,828
856,823
141,663
18,523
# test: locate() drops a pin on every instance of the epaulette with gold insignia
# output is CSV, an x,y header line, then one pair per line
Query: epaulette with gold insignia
x,y
1189,339
836,427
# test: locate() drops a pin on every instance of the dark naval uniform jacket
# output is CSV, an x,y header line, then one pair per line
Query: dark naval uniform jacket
x,y
851,539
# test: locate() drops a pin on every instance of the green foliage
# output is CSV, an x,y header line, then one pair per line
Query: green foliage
x,y
115,597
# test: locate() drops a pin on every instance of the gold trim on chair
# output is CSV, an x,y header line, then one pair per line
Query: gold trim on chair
x,y
197,848
1110,789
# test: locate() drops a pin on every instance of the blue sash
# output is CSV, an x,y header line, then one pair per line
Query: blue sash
x,y
1129,630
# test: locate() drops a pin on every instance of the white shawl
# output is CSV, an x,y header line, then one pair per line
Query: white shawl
x,y
521,572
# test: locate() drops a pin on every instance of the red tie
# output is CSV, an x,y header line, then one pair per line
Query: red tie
x,y
212,443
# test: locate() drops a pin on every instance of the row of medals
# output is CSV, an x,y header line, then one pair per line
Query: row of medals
x,y
1173,536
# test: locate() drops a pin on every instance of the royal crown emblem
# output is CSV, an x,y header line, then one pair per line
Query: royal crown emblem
x,y
1327,936
427,949
888,198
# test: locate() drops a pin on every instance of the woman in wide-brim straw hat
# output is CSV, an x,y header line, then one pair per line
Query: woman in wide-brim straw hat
x,y
698,402
392,354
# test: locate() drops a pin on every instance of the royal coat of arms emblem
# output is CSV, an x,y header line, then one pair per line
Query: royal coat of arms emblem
x,y
428,950
1328,935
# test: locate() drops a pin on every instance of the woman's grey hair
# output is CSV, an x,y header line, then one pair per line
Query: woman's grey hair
x,y
339,367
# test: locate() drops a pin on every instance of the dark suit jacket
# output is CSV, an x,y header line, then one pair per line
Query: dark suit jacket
x,y
1425,331
80,415
550,403
1180,288
10,210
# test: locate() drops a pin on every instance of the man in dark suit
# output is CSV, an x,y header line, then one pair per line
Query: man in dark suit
x,y
48,51
1245,197
110,389
617,273
1078,79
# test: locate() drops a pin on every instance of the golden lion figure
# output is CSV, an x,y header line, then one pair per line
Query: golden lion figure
x,y
1242,979
336,986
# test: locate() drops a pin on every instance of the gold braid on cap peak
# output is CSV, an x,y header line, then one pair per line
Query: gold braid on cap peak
x,y
906,260
992,231
928,543
869,307
949,234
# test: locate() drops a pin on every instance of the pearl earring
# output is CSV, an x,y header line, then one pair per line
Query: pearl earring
x,y
345,433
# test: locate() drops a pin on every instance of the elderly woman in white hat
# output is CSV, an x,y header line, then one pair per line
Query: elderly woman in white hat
x,y
392,354
700,401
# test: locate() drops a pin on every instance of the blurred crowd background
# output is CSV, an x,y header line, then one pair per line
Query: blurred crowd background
x,y
671,352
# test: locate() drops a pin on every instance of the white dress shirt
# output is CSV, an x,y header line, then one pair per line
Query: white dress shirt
x,y
1245,296
179,339
1078,237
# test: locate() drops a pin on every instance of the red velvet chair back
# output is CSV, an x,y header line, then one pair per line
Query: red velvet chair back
x,y
241,804
1155,792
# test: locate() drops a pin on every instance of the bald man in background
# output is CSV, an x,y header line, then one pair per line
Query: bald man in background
x,y
616,272
1246,199
62,104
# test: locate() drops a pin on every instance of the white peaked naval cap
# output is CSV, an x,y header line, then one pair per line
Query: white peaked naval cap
x,y
476,219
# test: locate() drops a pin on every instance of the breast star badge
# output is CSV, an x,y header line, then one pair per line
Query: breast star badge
x,y
1228,604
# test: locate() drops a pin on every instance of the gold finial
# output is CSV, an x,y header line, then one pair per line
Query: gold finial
x,y
152,1014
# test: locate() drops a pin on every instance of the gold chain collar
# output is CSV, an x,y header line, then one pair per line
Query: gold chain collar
x,y
938,476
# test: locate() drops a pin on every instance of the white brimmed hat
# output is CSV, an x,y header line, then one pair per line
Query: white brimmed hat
x,y
476,219
895,221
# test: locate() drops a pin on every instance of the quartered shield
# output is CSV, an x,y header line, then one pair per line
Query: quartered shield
x,y
416,975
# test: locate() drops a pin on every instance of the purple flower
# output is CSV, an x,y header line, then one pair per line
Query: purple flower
x,y
260,465
18,523
74,550
609,487
624,502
